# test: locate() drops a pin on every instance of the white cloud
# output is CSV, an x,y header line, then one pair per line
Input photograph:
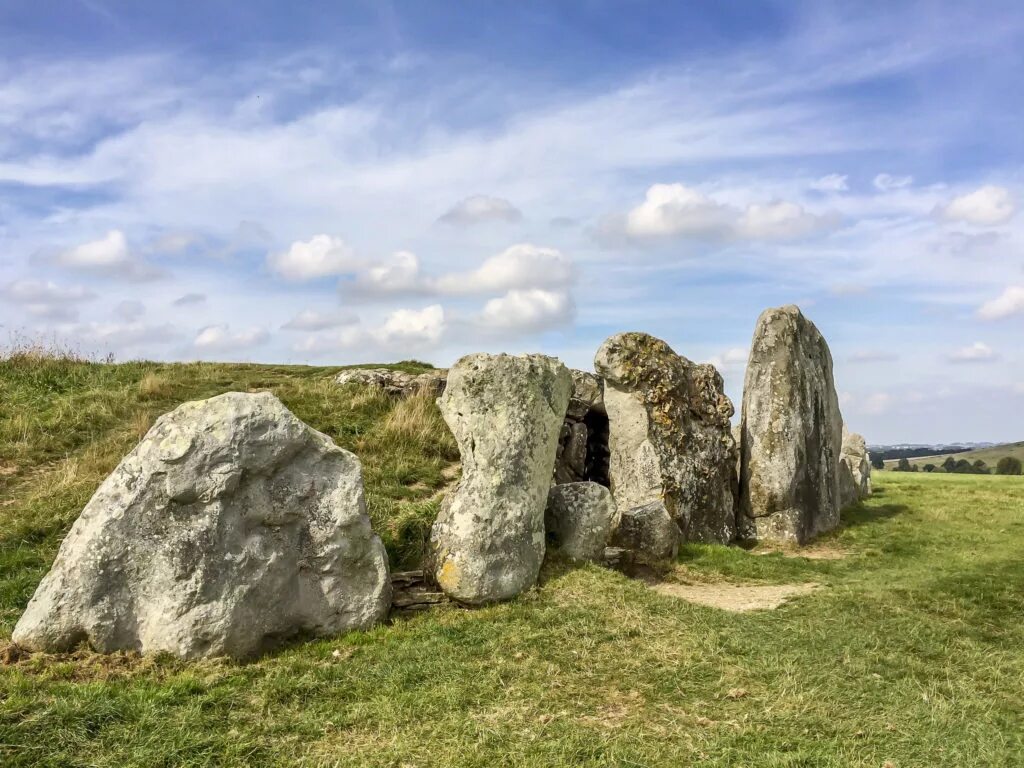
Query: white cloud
x,y
1009,302
320,256
732,359
885,182
779,221
398,274
130,310
833,182
109,255
525,311
408,325
479,209
521,266
189,299
985,206
670,210
221,337
978,352
311,320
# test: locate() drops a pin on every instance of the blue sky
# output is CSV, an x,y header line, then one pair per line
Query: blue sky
x,y
351,182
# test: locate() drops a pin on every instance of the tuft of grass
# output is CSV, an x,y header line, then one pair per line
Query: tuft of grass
x,y
153,385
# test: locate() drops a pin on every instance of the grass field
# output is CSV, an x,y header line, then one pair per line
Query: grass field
x,y
990,456
911,653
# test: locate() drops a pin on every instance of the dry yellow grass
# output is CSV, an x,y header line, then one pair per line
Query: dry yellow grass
x,y
415,418
154,385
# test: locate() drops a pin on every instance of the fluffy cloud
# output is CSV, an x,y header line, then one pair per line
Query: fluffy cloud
x,y
732,359
1009,302
833,182
109,255
674,210
221,337
978,352
528,311
985,206
311,320
479,209
522,266
321,256
885,182
398,274
408,325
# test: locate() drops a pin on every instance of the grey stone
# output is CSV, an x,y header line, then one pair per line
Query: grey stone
x,y
579,519
792,431
396,383
230,527
854,469
506,413
669,435
649,531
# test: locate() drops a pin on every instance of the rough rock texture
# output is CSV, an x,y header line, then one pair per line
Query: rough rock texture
x,y
230,527
579,519
792,431
395,383
583,440
648,531
506,412
670,436
854,469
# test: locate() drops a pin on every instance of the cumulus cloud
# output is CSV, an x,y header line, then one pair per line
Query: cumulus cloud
x,y
978,352
528,311
189,299
311,320
479,209
885,182
109,255
986,206
45,300
1009,302
409,325
730,360
521,266
833,182
400,273
320,256
677,211
130,310
221,337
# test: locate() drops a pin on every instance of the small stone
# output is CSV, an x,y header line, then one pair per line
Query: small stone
x,y
648,530
579,519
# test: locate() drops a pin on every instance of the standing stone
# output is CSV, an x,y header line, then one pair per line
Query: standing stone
x,y
230,527
579,519
669,435
506,412
792,431
854,469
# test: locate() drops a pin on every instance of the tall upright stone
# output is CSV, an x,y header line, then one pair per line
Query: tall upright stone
x,y
791,429
669,435
854,469
231,527
506,413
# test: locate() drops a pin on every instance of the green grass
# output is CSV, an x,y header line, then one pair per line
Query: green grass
x,y
911,655
990,456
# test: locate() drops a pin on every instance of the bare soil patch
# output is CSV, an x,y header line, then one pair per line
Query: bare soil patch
x,y
735,597
813,552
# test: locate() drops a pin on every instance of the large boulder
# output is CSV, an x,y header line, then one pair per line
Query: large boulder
x,y
230,527
506,412
854,469
792,431
579,519
669,435
395,383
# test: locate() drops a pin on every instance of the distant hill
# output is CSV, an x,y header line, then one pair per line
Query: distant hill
x,y
990,455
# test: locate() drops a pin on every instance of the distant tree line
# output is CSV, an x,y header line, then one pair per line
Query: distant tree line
x,y
914,453
1008,465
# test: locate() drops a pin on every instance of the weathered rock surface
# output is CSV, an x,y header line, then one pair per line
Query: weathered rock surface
x,y
231,526
506,412
792,431
583,440
854,469
648,531
396,383
579,519
669,435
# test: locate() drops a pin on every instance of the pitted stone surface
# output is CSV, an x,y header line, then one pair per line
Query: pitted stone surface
x,y
579,519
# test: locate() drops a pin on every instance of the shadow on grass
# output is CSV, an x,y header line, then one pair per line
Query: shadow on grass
x,y
859,515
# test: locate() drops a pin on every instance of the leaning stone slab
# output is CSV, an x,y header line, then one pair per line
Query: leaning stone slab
x,y
579,519
792,431
669,435
231,527
506,412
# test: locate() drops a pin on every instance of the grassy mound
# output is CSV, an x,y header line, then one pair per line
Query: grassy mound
x,y
910,653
